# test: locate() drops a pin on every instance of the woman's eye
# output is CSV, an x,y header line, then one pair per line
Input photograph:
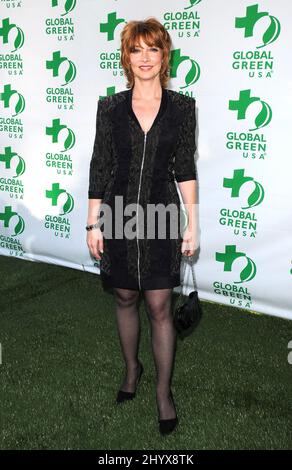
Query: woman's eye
x,y
137,50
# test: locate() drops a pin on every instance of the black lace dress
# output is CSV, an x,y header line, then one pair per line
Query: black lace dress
x,y
141,169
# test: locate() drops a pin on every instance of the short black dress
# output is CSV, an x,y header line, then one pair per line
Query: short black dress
x,y
141,168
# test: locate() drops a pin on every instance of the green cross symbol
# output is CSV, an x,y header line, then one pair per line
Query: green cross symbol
x,y
54,193
6,215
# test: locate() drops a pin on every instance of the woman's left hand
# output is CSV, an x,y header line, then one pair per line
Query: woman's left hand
x,y
189,243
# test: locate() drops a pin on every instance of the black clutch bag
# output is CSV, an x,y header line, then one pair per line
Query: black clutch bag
x,y
188,310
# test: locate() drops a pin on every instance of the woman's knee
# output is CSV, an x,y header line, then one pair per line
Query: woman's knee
x,y
158,304
158,310
126,297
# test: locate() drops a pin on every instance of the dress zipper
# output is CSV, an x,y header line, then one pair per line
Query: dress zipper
x,y
139,280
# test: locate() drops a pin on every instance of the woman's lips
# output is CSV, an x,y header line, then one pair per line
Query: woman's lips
x,y
144,67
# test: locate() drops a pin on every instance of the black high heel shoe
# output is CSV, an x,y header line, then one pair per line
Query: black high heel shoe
x,y
123,396
166,426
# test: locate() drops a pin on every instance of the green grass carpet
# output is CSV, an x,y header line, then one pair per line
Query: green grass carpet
x,y
62,366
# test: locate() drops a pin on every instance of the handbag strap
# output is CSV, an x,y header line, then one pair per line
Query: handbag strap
x,y
188,261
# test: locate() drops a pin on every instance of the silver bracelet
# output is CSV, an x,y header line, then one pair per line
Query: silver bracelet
x,y
92,226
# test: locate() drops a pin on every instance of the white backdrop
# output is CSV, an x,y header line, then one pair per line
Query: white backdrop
x,y
58,57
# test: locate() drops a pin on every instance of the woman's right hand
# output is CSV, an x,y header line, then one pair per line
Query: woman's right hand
x,y
94,241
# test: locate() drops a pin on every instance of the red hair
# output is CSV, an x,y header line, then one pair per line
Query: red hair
x,y
153,33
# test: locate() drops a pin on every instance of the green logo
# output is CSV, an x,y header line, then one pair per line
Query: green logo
x,y
55,192
7,215
17,34
262,119
7,159
55,63
110,90
7,94
192,4
55,130
192,75
69,6
236,183
249,21
230,255
110,26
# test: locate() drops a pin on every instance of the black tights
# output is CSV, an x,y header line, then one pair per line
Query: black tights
x,y
163,340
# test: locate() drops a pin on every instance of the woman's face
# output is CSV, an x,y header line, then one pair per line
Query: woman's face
x,y
145,61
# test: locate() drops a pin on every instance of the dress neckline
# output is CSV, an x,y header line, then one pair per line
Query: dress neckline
x,y
162,108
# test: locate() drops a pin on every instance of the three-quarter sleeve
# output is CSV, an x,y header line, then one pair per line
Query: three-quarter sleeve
x,y
100,160
184,162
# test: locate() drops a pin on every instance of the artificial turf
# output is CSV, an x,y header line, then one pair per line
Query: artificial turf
x,y
62,366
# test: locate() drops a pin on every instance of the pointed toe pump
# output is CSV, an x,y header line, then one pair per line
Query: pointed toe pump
x,y
123,396
166,426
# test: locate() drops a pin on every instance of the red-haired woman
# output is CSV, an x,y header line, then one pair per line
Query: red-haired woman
x,y
145,140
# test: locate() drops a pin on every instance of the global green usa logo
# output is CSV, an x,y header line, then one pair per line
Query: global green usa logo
x,y
230,256
54,194
63,97
186,21
250,20
12,220
55,64
63,201
8,157
253,145
11,35
12,99
258,63
55,132
264,116
193,73
242,221
62,27
9,180
238,295
238,182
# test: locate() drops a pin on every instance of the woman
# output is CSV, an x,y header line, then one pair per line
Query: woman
x,y
145,139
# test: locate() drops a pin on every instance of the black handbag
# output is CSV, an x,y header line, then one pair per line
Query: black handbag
x,y
187,313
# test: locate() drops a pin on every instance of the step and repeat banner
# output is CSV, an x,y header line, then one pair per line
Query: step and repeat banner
x,y
58,57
